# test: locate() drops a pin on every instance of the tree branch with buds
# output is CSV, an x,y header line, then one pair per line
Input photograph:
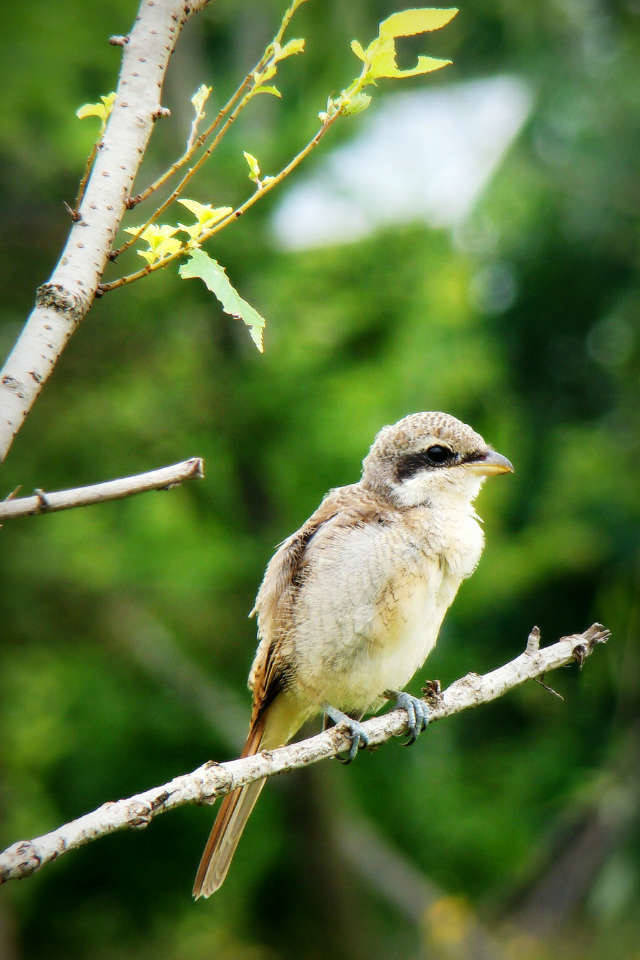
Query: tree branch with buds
x,y
105,191
213,780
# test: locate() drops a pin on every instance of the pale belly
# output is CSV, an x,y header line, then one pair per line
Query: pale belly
x,y
377,647
369,613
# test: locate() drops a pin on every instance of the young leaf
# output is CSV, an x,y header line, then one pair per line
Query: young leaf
x,y
254,166
206,216
290,49
161,241
269,89
100,110
356,104
407,23
198,100
380,56
260,78
200,265
358,50
384,65
200,97
204,212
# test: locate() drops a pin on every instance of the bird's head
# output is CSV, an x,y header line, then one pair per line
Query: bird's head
x,y
426,457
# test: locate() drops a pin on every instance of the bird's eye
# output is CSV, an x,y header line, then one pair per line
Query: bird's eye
x,y
438,455
429,459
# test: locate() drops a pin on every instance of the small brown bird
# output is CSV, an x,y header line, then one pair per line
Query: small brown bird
x,y
351,604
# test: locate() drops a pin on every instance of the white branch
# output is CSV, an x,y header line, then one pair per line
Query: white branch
x,y
213,780
161,479
65,299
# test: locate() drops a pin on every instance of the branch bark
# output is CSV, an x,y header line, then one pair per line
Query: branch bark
x,y
160,479
213,780
63,302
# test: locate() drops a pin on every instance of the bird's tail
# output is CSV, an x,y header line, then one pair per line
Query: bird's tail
x,y
271,729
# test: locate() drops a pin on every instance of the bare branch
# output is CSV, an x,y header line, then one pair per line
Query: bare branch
x,y
213,780
161,479
63,302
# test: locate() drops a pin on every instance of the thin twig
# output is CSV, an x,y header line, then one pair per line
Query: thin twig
x,y
193,147
212,779
161,479
229,110
266,186
191,172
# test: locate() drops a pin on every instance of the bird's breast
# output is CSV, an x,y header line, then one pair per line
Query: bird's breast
x,y
370,611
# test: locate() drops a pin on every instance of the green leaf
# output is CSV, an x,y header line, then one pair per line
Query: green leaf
x,y
355,104
424,65
161,241
380,56
272,90
200,265
290,49
206,217
203,212
200,97
254,166
260,78
100,110
407,23
358,50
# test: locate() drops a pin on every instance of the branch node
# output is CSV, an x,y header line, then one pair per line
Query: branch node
x,y
432,692
160,113
118,40
595,635
588,641
56,297
43,502
75,216
580,654
533,641
158,802
198,467
141,817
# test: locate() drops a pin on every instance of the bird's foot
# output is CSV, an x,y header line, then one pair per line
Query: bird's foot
x,y
417,713
354,729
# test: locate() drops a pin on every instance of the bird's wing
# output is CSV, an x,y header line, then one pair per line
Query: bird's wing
x,y
342,508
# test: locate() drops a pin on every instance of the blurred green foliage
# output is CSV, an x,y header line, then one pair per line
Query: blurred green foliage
x,y
492,806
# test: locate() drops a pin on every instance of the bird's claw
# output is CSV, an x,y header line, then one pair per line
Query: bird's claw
x,y
417,713
354,729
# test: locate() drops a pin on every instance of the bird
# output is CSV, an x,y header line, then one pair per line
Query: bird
x,y
351,604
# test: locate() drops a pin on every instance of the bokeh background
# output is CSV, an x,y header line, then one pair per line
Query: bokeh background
x,y
510,831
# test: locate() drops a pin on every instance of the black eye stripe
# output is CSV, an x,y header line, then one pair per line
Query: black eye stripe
x,y
435,456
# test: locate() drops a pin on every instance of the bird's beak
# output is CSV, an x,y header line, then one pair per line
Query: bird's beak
x,y
489,463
